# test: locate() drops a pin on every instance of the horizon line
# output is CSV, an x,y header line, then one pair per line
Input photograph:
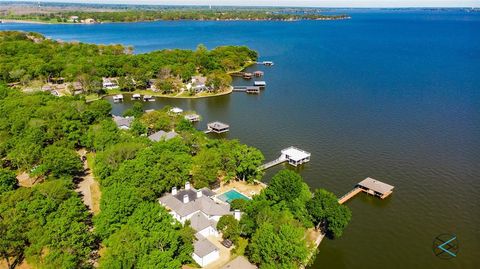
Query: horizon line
x,y
95,2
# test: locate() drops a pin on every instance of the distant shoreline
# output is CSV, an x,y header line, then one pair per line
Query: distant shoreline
x,y
194,20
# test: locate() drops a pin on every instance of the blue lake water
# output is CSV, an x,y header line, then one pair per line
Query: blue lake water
x,y
394,95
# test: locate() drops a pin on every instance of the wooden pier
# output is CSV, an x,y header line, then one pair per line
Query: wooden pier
x,y
369,186
272,163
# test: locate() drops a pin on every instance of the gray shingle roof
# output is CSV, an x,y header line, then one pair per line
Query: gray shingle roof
x,y
203,247
376,185
204,203
123,121
162,135
199,222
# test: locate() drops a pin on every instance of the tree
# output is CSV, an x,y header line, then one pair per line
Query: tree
x,y
8,181
136,111
102,135
288,187
229,227
205,168
60,161
218,81
150,239
325,211
240,204
126,83
281,247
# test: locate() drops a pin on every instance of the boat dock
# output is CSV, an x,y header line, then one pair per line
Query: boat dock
x,y
294,156
266,63
247,89
369,186
217,127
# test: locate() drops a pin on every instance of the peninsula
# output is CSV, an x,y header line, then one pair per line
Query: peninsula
x,y
31,62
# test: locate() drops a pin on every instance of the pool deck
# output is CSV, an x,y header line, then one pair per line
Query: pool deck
x,y
247,189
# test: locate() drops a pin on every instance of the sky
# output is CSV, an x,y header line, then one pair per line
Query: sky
x,y
306,3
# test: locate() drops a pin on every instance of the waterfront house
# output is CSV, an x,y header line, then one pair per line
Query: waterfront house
x,y
89,21
198,83
200,208
109,83
123,123
218,127
162,135
73,19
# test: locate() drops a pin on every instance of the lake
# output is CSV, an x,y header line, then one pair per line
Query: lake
x,y
393,95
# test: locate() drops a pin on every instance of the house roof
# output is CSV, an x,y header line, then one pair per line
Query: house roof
x,y
199,80
199,222
162,135
203,247
204,204
376,185
123,121
239,262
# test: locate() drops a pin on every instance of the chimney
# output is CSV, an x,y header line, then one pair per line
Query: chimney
x,y
237,214
185,199
174,191
187,185
199,193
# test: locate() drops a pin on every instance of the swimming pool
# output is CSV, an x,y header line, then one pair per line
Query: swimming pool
x,y
231,195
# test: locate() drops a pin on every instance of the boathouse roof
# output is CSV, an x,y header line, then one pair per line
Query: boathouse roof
x,y
296,154
376,185
218,125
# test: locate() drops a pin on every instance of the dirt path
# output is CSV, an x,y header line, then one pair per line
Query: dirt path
x,y
88,187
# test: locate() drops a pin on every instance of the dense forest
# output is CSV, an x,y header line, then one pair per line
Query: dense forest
x,y
137,15
30,56
48,226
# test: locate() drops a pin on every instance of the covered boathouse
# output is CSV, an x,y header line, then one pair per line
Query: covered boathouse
x,y
218,127
375,187
295,156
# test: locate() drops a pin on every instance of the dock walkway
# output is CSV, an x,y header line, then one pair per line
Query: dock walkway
x,y
349,195
278,161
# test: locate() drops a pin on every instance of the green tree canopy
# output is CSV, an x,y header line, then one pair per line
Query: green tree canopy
x,y
325,210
